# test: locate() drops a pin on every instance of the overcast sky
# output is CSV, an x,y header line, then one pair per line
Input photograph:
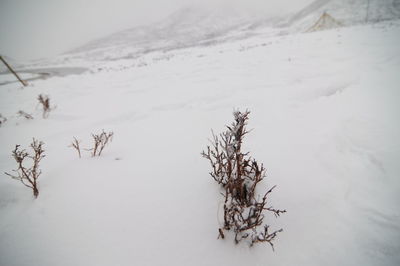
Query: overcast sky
x,y
31,29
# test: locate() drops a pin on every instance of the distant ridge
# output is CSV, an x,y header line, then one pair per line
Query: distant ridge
x,y
197,26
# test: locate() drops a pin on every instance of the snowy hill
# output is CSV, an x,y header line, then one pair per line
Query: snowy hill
x,y
324,116
187,27
200,26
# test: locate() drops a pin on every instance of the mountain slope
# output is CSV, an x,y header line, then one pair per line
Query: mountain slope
x,y
186,27
348,12
200,26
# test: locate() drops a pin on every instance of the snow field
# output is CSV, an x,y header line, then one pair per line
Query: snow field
x,y
324,112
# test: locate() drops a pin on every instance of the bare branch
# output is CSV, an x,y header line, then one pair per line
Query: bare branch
x,y
100,141
28,175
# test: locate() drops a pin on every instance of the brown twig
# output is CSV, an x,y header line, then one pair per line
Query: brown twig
x,y
24,114
44,100
75,144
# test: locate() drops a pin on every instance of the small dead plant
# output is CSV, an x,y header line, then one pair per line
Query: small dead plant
x,y
21,113
100,141
239,174
44,100
28,175
75,144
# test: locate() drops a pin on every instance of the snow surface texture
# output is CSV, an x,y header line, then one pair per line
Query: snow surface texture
x,y
325,109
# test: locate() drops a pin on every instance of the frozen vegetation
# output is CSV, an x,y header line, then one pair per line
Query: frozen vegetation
x,y
325,113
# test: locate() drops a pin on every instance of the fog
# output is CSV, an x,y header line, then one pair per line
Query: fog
x,y
43,28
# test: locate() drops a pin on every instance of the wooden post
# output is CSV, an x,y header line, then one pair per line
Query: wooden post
x,y
12,71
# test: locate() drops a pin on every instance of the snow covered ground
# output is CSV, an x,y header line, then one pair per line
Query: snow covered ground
x,y
10,78
325,110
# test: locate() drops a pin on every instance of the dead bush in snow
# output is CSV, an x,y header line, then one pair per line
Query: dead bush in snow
x,y
100,141
21,113
239,174
44,101
75,144
28,175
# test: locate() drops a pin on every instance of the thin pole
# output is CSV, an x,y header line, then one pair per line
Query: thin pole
x,y
12,71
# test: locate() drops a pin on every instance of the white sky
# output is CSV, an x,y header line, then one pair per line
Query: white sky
x,y
31,29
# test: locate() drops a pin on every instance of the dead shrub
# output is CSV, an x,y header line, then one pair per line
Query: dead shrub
x,y
75,144
44,100
28,175
21,113
100,141
239,174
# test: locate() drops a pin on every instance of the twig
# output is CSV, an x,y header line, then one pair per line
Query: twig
x,y
75,144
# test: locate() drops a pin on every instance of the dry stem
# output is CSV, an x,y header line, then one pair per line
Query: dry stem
x,y
75,144
44,100
100,141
